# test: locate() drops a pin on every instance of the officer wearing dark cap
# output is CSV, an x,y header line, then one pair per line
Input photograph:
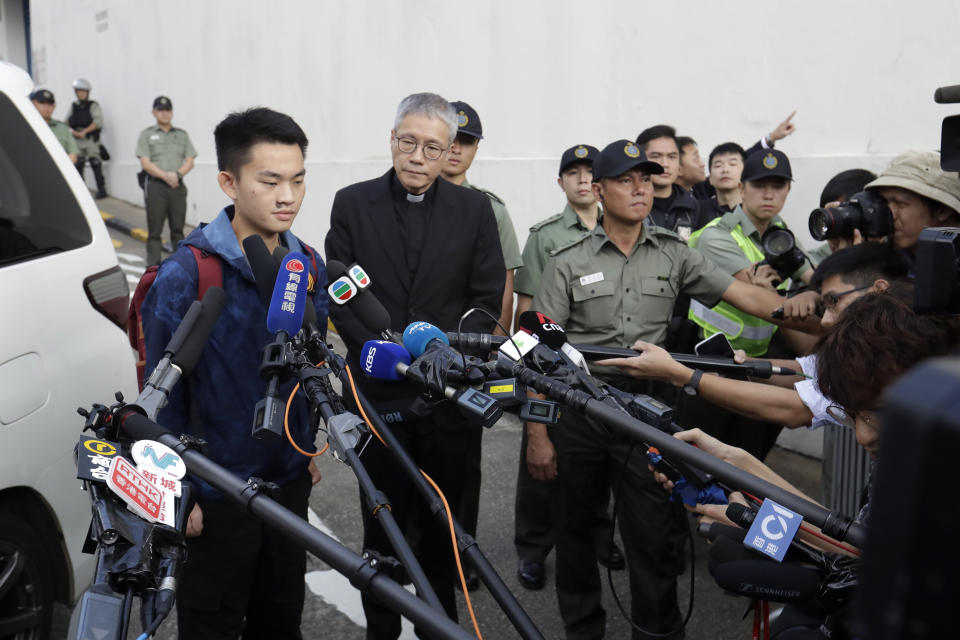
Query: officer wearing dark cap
x,y
166,155
459,159
44,102
535,504
733,243
613,287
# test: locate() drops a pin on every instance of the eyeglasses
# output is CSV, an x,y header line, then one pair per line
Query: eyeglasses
x,y
831,300
431,150
846,418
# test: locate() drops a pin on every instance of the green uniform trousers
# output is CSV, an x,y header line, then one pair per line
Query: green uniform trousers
x,y
591,461
163,205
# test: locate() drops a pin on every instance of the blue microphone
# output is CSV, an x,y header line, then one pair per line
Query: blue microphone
x,y
419,336
289,295
284,319
381,360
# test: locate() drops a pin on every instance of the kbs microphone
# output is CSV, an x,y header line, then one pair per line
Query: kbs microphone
x,y
284,319
381,360
349,289
182,352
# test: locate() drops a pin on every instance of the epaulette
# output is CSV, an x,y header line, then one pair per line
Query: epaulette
x,y
570,244
663,231
491,194
544,223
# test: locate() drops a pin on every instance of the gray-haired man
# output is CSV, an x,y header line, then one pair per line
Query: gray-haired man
x,y
432,251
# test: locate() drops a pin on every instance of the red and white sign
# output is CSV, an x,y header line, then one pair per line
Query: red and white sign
x,y
141,496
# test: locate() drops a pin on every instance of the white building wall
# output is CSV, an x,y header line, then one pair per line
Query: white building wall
x,y
13,41
543,75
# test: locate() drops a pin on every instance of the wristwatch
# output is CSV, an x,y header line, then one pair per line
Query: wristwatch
x,y
693,386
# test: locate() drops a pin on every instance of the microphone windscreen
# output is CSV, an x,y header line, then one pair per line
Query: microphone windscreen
x,y
418,334
549,332
365,306
263,265
379,359
189,353
289,295
768,580
309,311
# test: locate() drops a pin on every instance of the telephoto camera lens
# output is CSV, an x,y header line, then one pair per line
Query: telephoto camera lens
x,y
781,251
866,211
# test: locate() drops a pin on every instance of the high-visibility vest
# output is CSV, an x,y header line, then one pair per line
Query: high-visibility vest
x,y
744,331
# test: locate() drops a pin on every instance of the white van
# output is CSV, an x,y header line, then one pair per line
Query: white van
x,y
63,304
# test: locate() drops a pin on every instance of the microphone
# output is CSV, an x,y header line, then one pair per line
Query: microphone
x,y
263,265
947,95
430,370
419,337
284,319
764,579
182,352
552,334
381,359
351,286
310,320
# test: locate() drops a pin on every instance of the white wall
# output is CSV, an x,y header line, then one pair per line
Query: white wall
x,y
543,75
13,41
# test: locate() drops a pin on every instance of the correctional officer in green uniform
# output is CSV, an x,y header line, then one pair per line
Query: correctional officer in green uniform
x,y
612,287
459,158
44,102
535,504
166,154
733,243
86,122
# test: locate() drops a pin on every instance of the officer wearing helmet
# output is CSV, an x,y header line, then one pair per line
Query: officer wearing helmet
x,y
86,121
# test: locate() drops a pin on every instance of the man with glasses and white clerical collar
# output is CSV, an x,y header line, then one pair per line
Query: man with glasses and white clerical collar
x,y
432,252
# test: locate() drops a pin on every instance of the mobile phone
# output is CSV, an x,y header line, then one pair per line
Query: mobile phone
x,y
716,345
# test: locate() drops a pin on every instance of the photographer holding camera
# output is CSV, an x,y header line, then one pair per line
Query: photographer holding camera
x,y
911,194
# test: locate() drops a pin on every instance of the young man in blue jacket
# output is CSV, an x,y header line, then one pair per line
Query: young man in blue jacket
x,y
240,575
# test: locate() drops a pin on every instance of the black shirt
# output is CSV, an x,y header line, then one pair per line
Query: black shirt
x,y
413,214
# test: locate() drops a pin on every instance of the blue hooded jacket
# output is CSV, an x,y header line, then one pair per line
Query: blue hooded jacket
x,y
225,385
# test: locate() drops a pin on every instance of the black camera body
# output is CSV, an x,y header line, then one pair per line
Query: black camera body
x,y
866,211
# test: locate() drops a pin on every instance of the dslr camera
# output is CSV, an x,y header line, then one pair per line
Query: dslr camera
x,y
865,211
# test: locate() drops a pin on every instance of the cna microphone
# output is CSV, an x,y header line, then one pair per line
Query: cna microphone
x,y
182,352
382,360
552,334
284,319
348,289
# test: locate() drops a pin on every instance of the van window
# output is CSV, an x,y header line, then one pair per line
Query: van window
x,y
39,214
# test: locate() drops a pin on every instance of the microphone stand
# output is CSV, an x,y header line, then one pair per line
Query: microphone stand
x,y
465,542
344,431
833,523
358,570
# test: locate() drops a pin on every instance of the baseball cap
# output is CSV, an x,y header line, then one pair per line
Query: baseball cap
x,y
42,95
468,121
766,163
619,157
920,172
162,103
579,153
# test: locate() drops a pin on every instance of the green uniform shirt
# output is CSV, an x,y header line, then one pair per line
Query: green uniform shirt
x,y
720,248
166,149
545,236
508,237
602,297
66,139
